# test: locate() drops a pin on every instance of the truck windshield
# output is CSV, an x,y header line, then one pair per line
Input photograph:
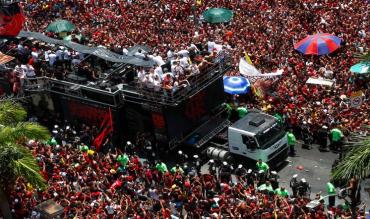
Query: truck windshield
x,y
269,136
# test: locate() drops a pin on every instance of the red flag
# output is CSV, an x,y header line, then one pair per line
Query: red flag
x,y
11,20
106,127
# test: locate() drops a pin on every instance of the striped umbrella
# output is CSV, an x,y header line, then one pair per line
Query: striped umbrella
x,y
318,44
236,85
361,68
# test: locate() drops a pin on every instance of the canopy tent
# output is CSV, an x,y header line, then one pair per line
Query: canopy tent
x,y
96,51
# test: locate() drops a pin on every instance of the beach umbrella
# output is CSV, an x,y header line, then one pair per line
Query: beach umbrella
x,y
236,85
318,44
59,26
218,15
361,68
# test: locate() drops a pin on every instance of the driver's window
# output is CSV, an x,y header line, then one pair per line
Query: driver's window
x,y
249,142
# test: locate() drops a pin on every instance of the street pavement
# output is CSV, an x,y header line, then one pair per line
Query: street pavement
x,y
314,166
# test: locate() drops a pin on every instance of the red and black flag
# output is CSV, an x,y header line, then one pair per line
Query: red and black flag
x,y
11,19
106,128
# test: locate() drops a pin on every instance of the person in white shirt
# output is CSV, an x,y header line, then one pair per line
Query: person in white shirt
x,y
184,62
158,71
211,44
170,54
52,59
35,55
157,59
59,53
184,53
30,71
141,75
157,83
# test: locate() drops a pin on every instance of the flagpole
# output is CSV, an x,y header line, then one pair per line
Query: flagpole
x,y
110,117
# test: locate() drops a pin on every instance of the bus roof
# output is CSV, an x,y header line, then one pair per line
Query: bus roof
x,y
254,122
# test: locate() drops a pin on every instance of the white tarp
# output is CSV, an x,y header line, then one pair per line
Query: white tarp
x,y
250,71
320,81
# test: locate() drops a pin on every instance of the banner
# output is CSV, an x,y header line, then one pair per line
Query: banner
x,y
5,58
320,81
106,128
356,99
248,70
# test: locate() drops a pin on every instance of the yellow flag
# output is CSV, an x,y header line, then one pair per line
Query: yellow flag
x,y
247,58
199,2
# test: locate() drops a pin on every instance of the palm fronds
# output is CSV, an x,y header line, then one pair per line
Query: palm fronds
x,y
356,161
23,130
11,113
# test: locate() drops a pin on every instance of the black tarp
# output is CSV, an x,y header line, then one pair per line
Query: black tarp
x,y
96,51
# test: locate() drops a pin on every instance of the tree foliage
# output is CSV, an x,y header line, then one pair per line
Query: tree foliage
x,y
356,161
15,159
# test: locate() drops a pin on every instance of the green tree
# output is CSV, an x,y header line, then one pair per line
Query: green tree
x,y
364,57
15,159
354,166
356,160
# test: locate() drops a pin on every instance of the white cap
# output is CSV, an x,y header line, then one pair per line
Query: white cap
x,y
67,127
274,172
261,171
240,166
55,132
303,180
211,161
196,156
295,175
56,126
250,170
180,152
324,127
304,122
224,163
128,142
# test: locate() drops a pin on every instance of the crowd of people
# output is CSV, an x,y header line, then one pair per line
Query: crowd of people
x,y
170,27
119,184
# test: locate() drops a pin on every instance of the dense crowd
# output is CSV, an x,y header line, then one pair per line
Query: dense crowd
x,y
119,184
171,27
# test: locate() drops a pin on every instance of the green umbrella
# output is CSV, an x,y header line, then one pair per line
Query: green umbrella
x,y
59,26
361,68
218,15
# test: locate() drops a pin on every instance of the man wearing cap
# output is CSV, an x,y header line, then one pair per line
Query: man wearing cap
x,y
262,166
240,171
212,167
332,192
129,148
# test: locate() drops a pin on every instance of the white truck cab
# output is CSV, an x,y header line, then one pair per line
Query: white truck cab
x,y
258,136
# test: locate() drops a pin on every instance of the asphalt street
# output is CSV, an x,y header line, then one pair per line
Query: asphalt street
x,y
314,166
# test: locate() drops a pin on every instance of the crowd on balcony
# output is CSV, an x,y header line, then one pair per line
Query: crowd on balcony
x,y
119,184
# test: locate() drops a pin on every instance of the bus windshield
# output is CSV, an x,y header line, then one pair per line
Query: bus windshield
x,y
269,136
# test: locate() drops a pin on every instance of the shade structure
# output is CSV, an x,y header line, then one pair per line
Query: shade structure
x,y
59,26
318,44
361,68
236,85
218,15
